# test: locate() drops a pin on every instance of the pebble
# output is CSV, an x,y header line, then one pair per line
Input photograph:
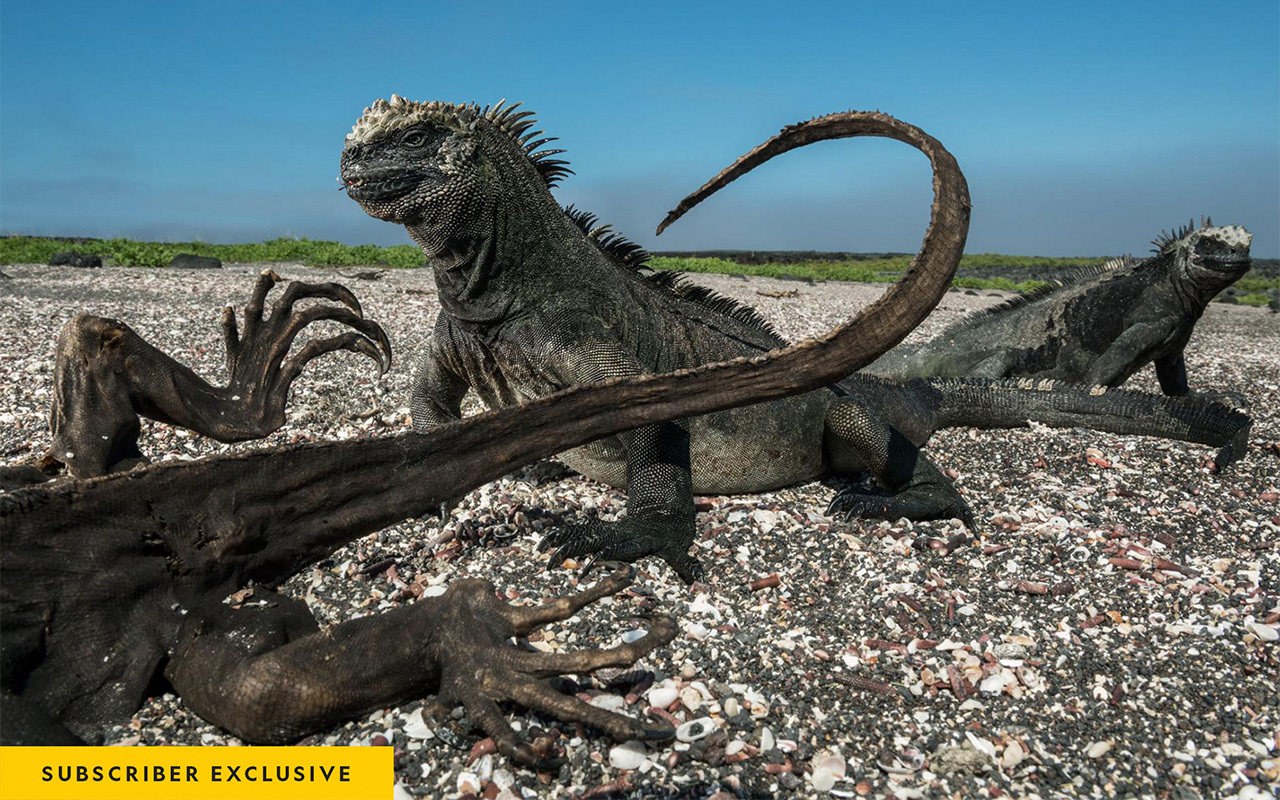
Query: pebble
x,y
695,729
1046,517
663,694
628,755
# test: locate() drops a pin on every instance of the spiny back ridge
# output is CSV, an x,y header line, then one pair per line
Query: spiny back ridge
x,y
631,256
1167,239
620,249
1056,285
679,285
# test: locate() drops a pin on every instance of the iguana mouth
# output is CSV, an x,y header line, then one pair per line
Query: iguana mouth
x,y
1225,262
380,188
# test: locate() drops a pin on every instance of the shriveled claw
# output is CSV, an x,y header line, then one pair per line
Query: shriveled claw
x,y
480,668
106,376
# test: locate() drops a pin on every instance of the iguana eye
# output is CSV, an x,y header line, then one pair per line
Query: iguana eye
x,y
414,139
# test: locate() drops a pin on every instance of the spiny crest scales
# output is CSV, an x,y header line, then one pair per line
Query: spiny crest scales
x,y
387,116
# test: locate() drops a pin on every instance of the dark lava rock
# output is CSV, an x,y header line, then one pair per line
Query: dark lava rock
x,y
188,261
71,258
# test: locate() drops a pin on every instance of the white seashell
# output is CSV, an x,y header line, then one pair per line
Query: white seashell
x,y
735,747
628,755
692,698
767,741
732,707
415,727
469,783
633,636
701,605
992,684
663,694
1098,749
696,729
834,763
1013,755
983,745
609,702
1267,633
822,779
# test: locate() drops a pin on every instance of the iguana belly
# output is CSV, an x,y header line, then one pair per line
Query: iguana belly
x,y
752,449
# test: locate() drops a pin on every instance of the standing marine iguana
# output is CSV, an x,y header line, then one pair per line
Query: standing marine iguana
x,y
535,300
1098,326
109,583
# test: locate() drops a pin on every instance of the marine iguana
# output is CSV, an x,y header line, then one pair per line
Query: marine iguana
x,y
1098,326
108,583
535,299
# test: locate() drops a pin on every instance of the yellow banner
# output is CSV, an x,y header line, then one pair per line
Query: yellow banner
x,y
196,773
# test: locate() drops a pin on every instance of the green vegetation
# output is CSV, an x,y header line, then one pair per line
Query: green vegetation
x,y
974,272
882,270
128,253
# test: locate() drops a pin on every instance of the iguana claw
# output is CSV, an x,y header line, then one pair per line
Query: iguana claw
x,y
629,539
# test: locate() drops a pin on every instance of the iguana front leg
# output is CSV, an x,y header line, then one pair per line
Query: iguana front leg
x,y
1171,371
660,518
1125,354
106,376
266,673
436,399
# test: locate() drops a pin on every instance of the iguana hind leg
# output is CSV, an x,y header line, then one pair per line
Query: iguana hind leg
x,y
106,376
266,672
857,441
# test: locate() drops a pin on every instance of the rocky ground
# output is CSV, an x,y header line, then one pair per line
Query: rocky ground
x,y
1110,632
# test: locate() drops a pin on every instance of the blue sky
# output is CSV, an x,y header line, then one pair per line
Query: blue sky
x,y
1081,131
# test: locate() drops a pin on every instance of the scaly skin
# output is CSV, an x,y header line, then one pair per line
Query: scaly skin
x,y
96,574
536,298
1097,327
533,304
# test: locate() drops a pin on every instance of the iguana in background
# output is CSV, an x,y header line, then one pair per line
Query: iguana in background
x,y
1098,326
535,299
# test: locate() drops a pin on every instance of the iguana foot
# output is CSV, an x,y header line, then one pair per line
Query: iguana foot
x,y
480,670
106,376
919,502
1226,397
629,539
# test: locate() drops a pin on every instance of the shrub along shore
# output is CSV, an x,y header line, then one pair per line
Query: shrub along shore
x,y
977,271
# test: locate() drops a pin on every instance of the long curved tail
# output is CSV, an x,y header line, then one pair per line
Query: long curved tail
x,y
909,301
921,406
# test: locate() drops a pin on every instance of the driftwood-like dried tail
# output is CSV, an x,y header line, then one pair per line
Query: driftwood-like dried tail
x,y
889,320
267,514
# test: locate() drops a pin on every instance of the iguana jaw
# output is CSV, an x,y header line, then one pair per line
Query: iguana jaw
x,y
372,189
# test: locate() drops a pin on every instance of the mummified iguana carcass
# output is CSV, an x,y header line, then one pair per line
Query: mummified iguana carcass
x,y
109,583
535,299
1096,327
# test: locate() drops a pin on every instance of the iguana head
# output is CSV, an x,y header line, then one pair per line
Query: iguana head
x,y
1210,258
435,167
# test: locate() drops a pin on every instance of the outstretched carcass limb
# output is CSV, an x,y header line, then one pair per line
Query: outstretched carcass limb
x,y
106,377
